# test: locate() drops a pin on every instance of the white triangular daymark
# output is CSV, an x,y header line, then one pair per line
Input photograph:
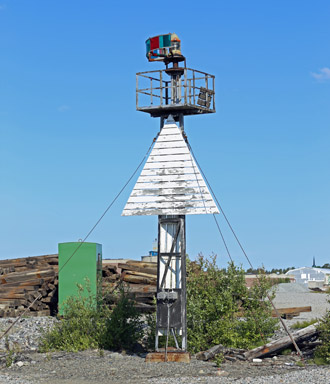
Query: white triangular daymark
x,y
170,182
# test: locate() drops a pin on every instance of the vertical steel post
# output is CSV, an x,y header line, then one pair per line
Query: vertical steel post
x,y
213,89
161,87
183,287
194,87
137,91
166,92
185,85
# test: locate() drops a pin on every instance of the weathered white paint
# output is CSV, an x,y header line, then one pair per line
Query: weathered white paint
x,y
173,204
169,144
166,191
174,177
173,276
166,164
167,198
172,138
170,182
170,129
171,151
169,171
170,211
196,185
180,157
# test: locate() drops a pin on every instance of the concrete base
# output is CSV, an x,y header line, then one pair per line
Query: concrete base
x,y
174,357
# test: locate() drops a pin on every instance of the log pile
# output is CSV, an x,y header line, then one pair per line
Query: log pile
x,y
23,280
306,339
140,279
303,336
230,354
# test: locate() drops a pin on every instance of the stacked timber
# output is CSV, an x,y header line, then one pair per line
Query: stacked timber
x,y
23,280
139,279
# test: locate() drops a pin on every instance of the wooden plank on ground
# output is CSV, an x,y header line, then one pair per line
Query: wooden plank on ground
x,y
283,343
291,311
174,357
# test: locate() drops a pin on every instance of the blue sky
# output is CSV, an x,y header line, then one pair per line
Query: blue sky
x,y
70,135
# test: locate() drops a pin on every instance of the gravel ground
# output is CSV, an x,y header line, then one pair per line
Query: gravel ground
x,y
30,367
293,295
312,376
89,367
25,334
297,295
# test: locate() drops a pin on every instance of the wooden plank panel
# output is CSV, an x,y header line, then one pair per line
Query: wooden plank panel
x,y
168,164
168,198
158,158
170,130
168,191
169,171
170,144
172,211
171,184
169,205
171,151
169,178
169,138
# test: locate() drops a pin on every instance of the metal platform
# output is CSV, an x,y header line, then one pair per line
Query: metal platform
x,y
159,94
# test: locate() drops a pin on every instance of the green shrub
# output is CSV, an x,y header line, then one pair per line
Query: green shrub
x,y
82,327
279,280
219,359
222,310
303,324
286,352
322,353
88,323
10,359
150,336
124,325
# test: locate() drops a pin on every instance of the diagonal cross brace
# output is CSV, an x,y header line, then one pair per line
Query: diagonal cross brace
x,y
175,239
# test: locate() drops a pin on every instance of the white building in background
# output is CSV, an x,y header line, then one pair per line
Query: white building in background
x,y
304,275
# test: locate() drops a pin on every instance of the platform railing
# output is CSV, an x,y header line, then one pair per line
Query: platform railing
x,y
157,88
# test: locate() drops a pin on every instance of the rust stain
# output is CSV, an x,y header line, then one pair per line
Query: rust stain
x,y
175,357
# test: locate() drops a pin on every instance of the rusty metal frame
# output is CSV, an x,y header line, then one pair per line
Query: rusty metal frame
x,y
160,92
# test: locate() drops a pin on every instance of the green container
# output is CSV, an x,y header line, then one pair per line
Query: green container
x,y
78,262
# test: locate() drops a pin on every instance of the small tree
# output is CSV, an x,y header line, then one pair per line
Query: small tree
x,y
221,309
